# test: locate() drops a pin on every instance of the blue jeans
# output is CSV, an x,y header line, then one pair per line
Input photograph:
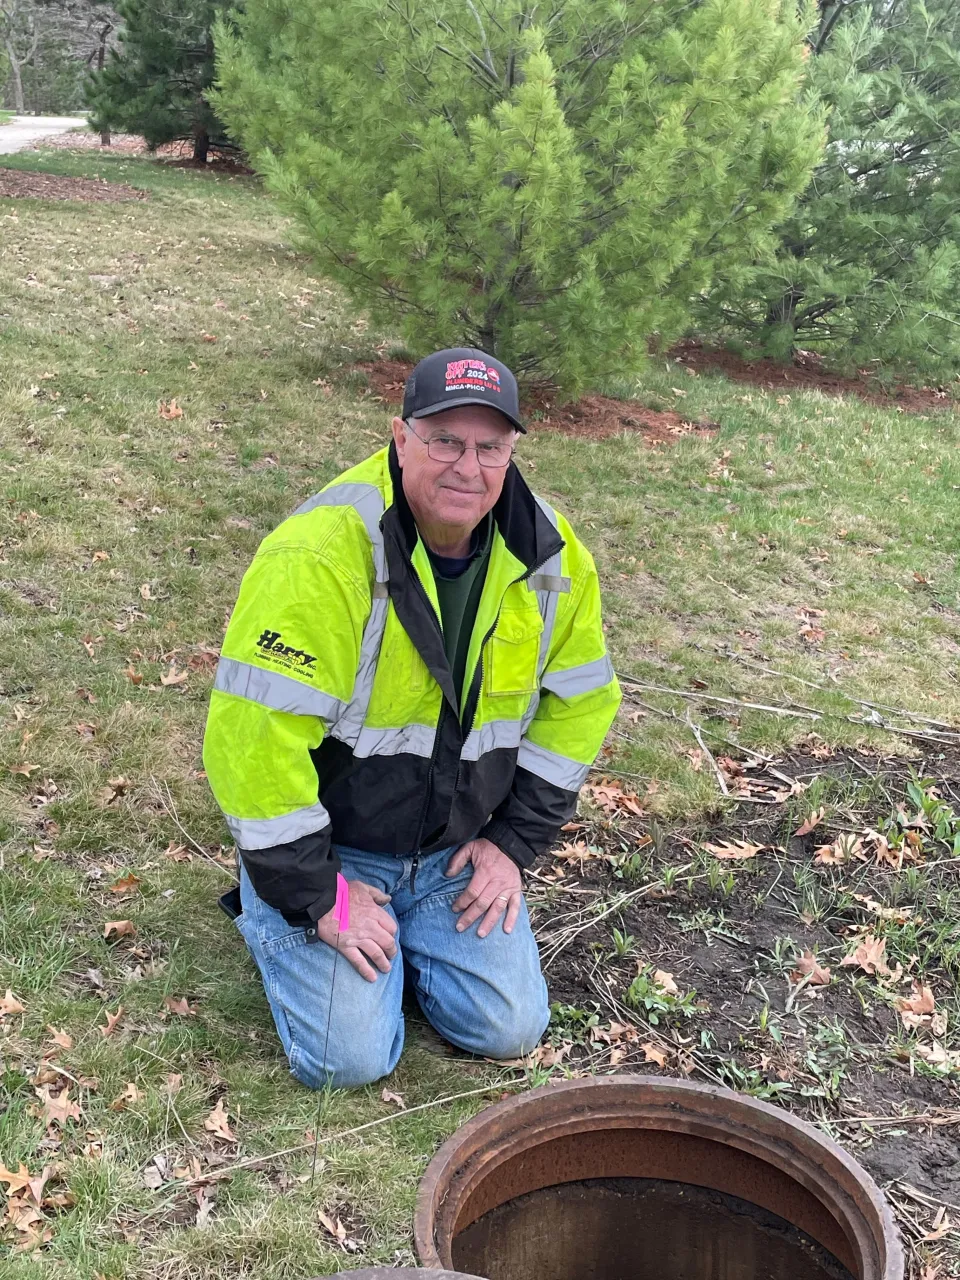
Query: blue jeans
x,y
485,995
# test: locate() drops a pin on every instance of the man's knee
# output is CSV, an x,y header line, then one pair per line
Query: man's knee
x,y
511,1031
345,1066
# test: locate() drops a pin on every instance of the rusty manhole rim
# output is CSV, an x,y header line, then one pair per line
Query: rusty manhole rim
x,y
797,1149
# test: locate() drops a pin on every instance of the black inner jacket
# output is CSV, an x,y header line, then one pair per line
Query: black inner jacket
x,y
407,804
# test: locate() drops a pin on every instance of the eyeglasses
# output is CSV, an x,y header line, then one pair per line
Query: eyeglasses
x,y
490,453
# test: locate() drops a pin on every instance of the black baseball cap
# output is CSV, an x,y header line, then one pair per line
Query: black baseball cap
x,y
461,375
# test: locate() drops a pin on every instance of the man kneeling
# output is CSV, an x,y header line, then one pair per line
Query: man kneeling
x,y
414,684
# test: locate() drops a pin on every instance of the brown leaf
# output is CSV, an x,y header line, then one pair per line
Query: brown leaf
x,y
24,770
130,1094
666,982
808,964
127,885
612,799
173,676
113,1020
180,1007
206,1197
869,955
133,676
57,1110
810,821
146,593
653,1053
218,1122
387,1095
115,788
917,1010
60,1038
122,928
333,1226
735,849
16,1182
178,852
85,695
844,849
169,409
10,1005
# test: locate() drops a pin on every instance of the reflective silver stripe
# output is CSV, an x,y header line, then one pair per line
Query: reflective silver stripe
x,y
574,680
263,833
548,597
548,582
274,690
491,737
367,501
560,770
412,739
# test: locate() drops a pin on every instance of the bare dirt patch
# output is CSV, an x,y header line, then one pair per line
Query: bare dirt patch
x,y
17,185
740,969
592,416
809,373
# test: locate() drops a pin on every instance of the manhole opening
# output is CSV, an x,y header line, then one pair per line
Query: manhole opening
x,y
638,1229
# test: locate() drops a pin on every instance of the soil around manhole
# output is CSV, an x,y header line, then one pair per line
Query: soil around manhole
x,y
16,184
809,373
834,1053
592,417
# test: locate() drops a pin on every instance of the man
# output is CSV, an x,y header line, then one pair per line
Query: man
x,y
413,686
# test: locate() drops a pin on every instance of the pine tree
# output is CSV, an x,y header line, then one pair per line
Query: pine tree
x,y
868,266
157,83
553,188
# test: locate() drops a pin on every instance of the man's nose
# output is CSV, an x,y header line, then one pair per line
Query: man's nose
x,y
468,464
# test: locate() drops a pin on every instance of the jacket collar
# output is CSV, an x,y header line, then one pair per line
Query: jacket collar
x,y
525,529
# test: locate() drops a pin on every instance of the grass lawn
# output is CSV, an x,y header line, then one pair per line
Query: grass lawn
x,y
6,117
173,382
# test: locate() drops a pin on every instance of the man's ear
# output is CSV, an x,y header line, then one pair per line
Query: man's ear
x,y
400,438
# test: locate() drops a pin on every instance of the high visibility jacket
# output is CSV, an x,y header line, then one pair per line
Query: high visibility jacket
x,y
334,716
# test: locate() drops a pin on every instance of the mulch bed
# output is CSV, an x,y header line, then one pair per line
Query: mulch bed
x,y
131,144
809,373
17,185
592,417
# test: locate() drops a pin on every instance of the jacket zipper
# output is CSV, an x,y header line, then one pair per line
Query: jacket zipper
x,y
415,866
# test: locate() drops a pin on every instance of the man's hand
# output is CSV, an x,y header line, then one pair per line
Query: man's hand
x,y
372,931
494,887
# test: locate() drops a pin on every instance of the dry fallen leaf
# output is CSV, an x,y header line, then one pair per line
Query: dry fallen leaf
x,y
173,676
808,964
665,982
15,1181
869,955
735,849
122,928
113,1020
10,1005
388,1095
130,1094
218,1122
844,849
133,676
115,788
60,1038
180,1007
653,1053
57,1110
24,770
128,884
206,1197
810,821
169,409
917,1010
334,1226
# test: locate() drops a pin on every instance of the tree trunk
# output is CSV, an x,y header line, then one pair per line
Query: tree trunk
x,y
784,309
15,77
201,146
105,139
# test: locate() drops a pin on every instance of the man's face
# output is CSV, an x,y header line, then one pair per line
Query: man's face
x,y
458,494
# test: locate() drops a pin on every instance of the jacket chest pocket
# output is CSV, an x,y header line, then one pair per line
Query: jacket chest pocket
x,y
513,654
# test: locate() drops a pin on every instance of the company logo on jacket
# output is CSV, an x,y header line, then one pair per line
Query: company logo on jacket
x,y
271,642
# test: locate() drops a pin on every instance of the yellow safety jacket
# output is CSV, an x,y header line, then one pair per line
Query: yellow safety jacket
x,y
334,718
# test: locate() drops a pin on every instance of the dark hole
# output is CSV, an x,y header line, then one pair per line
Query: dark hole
x,y
638,1229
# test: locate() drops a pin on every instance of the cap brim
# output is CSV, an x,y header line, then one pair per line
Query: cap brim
x,y
453,404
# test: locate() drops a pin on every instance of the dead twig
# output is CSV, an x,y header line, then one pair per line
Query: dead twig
x,y
698,734
162,791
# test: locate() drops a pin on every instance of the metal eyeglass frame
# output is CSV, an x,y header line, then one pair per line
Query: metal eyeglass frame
x,y
464,448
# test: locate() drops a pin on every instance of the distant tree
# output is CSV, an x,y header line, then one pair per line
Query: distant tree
x,y
21,29
551,183
157,82
868,265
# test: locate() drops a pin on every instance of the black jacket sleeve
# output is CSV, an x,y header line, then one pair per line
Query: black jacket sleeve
x,y
298,879
528,821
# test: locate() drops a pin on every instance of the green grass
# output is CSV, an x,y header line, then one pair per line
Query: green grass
x,y
123,537
6,117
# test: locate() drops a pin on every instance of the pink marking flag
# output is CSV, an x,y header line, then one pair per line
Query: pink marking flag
x,y
341,908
